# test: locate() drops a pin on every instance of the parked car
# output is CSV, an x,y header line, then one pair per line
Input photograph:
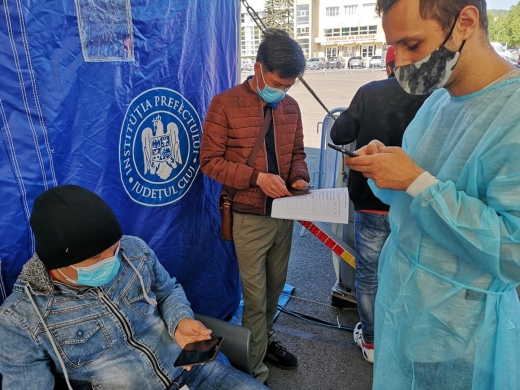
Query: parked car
x,y
515,58
375,62
501,50
356,62
335,63
315,63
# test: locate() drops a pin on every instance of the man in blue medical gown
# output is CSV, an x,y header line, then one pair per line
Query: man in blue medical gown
x,y
447,313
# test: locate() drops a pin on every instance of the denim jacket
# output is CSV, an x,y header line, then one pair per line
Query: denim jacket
x,y
118,336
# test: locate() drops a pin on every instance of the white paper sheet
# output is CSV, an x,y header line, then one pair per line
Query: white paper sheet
x,y
326,205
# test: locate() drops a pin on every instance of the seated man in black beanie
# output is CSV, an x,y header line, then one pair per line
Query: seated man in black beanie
x,y
95,309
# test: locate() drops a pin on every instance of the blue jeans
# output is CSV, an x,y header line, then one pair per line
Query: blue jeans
x,y
216,376
370,233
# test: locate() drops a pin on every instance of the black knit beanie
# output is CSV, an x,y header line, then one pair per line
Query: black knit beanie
x,y
72,224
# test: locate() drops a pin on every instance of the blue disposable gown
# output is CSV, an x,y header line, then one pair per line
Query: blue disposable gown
x,y
447,313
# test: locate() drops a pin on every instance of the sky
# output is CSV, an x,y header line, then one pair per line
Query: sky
x,y
501,4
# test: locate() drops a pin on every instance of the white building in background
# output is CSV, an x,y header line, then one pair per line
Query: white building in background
x,y
249,31
306,27
302,25
323,28
350,28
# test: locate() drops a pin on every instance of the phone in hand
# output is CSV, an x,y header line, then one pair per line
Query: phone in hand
x,y
301,191
199,352
340,149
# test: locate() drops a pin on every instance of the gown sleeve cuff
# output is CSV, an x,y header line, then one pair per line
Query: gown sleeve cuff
x,y
423,181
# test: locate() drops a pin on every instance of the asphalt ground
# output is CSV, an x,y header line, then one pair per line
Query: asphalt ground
x,y
328,357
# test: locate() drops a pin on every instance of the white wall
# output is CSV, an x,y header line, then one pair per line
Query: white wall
x,y
363,16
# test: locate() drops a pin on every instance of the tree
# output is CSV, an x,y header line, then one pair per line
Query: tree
x,y
279,14
496,24
504,26
512,26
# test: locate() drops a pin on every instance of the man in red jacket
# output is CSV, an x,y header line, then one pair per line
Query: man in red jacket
x,y
262,243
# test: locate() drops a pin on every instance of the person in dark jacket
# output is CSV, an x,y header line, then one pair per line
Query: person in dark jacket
x,y
262,243
380,110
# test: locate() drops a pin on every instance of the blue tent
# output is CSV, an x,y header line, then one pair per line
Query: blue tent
x,y
111,95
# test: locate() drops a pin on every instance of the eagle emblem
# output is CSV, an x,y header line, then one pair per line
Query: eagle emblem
x,y
161,149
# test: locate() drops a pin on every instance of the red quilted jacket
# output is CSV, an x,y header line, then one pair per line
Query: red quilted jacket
x,y
230,131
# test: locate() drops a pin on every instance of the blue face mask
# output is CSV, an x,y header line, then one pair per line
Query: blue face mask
x,y
270,94
97,274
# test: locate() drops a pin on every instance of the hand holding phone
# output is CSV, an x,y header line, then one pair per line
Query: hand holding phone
x,y
199,352
189,330
340,149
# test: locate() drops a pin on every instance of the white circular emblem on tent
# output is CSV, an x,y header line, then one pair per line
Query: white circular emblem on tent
x,y
159,147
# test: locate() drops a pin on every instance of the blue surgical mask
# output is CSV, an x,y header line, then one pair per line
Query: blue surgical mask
x,y
270,94
431,73
97,274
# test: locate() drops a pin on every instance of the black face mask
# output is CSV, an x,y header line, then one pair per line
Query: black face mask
x,y
432,72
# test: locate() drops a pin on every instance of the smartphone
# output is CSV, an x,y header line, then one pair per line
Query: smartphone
x,y
340,149
302,191
199,352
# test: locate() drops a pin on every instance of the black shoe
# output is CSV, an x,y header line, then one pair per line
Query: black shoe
x,y
277,355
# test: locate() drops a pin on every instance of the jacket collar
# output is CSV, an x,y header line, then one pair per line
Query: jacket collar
x,y
36,275
250,90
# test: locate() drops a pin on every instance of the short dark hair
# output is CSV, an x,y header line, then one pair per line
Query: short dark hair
x,y
444,11
281,54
